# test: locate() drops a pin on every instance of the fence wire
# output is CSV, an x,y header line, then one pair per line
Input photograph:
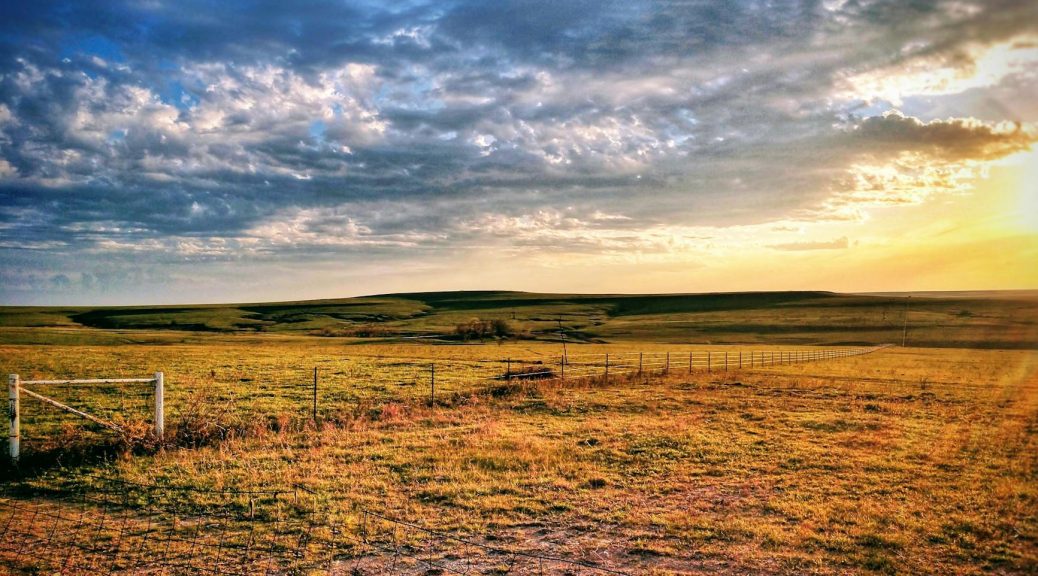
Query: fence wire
x,y
348,382
127,528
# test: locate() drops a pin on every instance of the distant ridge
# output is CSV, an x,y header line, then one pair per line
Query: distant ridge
x,y
1005,319
1007,294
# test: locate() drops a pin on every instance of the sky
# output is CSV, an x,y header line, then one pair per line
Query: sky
x,y
183,152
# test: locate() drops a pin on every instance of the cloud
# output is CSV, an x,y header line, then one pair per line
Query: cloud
x,y
893,159
950,139
837,244
194,132
968,66
309,229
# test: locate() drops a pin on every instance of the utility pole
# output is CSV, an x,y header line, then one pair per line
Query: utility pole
x,y
565,356
904,330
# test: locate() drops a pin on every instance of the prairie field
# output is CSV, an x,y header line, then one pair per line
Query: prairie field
x,y
518,288
903,460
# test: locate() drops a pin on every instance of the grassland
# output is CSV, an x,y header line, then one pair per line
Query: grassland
x,y
269,378
1003,320
908,460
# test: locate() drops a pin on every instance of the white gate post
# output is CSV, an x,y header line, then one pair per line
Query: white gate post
x,y
160,390
15,414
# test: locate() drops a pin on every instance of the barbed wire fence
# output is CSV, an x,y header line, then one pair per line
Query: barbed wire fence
x,y
117,527
122,528
342,385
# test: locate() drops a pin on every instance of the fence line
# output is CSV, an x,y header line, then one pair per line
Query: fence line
x,y
435,381
593,365
133,528
149,529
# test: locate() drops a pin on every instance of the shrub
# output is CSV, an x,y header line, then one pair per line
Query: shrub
x,y
483,329
361,331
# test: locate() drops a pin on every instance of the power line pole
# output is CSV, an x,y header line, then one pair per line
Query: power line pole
x,y
904,329
565,357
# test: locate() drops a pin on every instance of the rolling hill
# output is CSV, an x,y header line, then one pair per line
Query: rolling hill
x,y
989,319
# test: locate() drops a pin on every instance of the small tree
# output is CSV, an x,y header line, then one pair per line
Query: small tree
x,y
503,328
483,329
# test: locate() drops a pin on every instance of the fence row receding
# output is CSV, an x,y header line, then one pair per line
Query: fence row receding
x,y
352,380
115,527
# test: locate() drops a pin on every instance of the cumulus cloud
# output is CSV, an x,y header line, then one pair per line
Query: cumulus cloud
x,y
951,139
252,121
893,159
584,126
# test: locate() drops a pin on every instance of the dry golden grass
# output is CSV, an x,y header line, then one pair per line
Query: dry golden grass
x,y
904,461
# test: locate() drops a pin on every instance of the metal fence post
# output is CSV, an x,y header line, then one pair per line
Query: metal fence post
x,y
432,384
666,370
708,370
15,414
562,363
315,396
160,405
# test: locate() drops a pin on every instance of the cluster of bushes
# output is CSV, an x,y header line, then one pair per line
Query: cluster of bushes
x,y
480,329
361,331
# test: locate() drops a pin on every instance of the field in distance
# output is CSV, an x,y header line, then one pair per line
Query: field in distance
x,y
958,319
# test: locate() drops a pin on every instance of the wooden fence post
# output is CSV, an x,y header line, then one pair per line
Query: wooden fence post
x,y
15,414
640,363
666,369
708,370
160,405
607,368
690,362
508,370
562,363
432,384
725,360
740,359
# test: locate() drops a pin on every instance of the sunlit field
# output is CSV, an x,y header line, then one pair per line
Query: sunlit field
x,y
273,378
498,288
900,461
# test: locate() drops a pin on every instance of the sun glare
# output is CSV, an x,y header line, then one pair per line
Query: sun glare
x,y
1027,192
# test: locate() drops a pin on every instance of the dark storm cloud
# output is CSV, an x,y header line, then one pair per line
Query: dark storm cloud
x,y
180,131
